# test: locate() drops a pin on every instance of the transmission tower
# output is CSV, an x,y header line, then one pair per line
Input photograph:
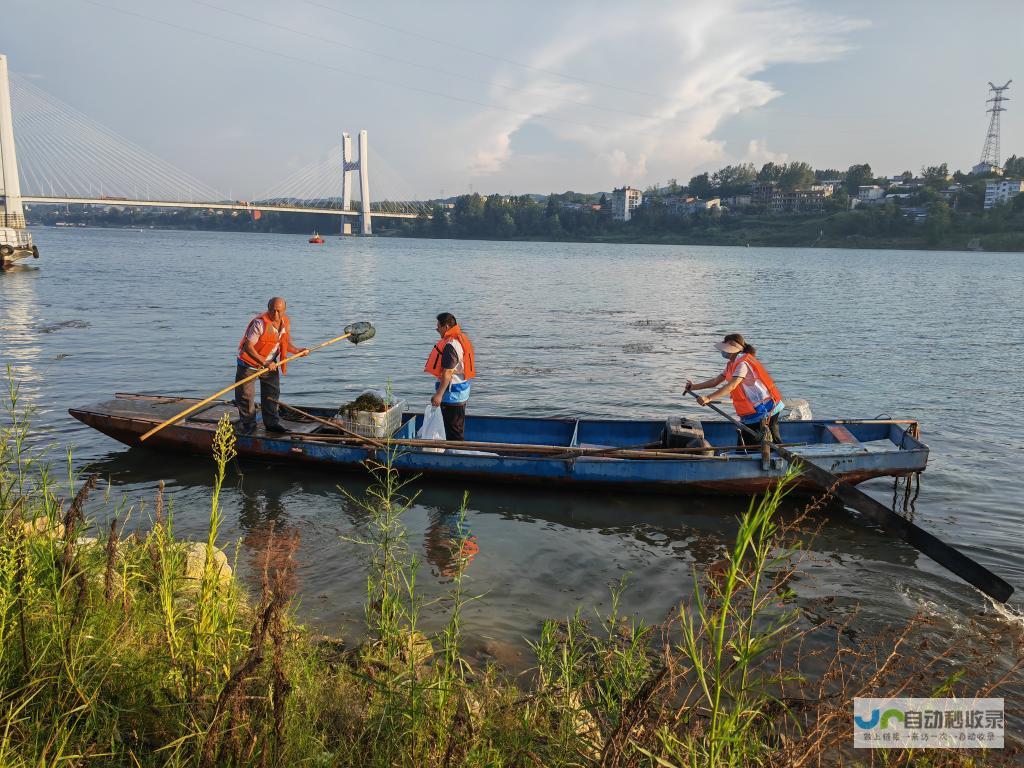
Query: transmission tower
x,y
990,153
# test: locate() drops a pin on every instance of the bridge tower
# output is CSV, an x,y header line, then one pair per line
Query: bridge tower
x,y
11,213
350,164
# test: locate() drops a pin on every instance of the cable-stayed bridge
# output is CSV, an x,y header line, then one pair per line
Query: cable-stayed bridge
x,y
52,153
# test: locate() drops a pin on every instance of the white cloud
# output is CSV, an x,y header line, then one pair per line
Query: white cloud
x,y
758,153
682,71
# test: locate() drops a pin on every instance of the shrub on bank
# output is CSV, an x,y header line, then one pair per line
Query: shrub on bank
x,y
142,650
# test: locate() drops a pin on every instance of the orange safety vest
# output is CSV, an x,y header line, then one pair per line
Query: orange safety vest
x,y
267,342
433,366
740,401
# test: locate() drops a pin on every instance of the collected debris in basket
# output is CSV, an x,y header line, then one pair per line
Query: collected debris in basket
x,y
368,401
375,413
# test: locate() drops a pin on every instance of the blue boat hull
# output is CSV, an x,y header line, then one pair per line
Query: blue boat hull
x,y
853,449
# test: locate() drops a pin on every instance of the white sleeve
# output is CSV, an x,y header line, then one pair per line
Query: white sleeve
x,y
742,370
254,331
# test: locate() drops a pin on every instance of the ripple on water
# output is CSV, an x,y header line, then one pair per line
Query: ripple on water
x,y
62,326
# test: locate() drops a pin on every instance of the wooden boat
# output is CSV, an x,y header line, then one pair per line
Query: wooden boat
x,y
585,453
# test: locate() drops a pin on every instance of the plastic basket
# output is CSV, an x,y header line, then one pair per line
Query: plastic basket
x,y
370,424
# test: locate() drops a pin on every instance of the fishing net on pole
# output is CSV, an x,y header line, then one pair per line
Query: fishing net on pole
x,y
360,332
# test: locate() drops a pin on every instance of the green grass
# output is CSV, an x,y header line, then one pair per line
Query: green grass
x,y
140,650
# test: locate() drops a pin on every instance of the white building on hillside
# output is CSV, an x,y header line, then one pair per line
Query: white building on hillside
x,y
983,169
1002,192
624,201
870,193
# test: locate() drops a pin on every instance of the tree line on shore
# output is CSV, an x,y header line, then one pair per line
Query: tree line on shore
x,y
939,210
950,218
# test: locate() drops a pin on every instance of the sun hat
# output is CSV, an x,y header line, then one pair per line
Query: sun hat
x,y
728,347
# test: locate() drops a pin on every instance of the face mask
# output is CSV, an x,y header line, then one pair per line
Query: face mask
x,y
725,355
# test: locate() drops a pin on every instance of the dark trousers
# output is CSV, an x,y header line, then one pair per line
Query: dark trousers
x,y
245,398
454,415
749,441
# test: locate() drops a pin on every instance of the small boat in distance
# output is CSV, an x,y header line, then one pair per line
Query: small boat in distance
x,y
316,239
677,455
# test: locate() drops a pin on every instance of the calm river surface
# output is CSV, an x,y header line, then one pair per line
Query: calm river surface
x,y
560,329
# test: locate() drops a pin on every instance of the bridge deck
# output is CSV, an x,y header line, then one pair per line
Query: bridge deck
x,y
214,206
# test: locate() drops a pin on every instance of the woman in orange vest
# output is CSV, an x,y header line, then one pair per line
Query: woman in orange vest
x,y
451,361
267,340
754,395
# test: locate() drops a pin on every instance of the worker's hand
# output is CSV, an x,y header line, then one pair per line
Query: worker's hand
x,y
436,399
304,352
689,386
701,400
272,366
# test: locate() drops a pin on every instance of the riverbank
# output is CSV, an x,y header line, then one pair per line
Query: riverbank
x,y
769,237
142,650
878,228
998,243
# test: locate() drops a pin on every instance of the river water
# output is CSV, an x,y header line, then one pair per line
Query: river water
x,y
560,330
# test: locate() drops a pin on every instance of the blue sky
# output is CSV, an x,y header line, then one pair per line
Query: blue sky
x,y
530,96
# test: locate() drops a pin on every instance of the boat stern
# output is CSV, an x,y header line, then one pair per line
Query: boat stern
x,y
16,244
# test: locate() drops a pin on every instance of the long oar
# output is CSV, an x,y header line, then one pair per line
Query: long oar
x,y
924,542
356,333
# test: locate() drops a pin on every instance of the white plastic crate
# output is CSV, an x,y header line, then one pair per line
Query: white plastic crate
x,y
370,424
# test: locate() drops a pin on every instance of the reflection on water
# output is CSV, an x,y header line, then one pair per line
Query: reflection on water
x,y
20,315
557,327
449,543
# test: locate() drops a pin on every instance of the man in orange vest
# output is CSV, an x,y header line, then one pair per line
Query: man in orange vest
x,y
451,361
267,341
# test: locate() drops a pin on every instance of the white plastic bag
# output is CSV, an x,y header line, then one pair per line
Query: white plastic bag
x,y
433,427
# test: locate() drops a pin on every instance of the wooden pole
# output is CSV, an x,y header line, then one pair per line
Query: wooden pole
x,y
193,408
331,424
554,451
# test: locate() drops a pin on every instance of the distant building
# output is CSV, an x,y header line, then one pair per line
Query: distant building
x,y
1002,192
625,200
737,201
767,195
870,193
687,205
983,169
775,199
951,192
706,205
904,188
916,214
